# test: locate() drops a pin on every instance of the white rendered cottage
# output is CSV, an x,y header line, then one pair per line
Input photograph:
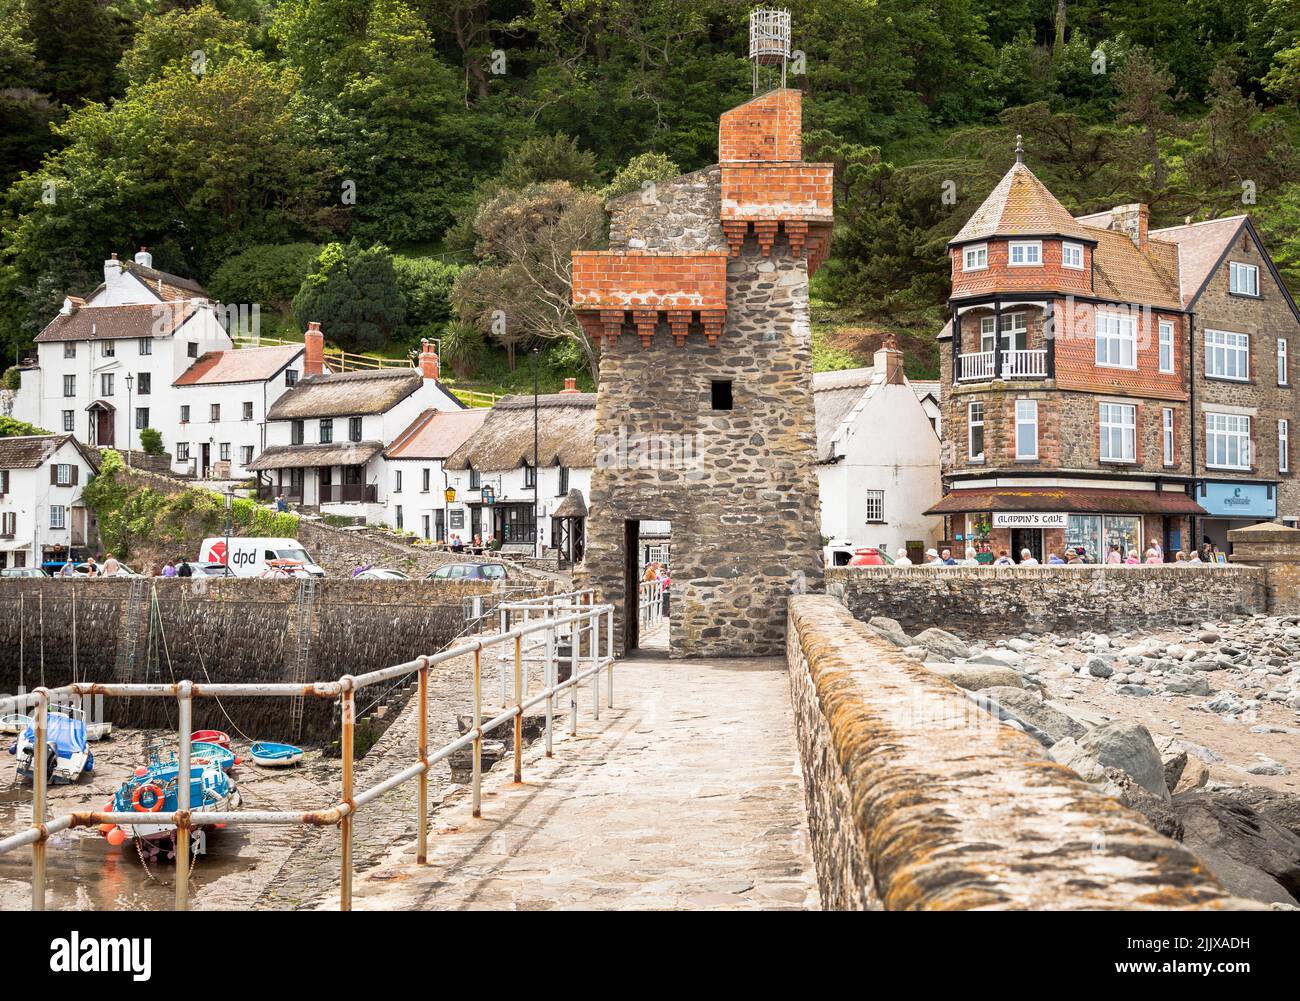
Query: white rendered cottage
x,y
106,364
417,479
499,456
42,519
877,456
326,436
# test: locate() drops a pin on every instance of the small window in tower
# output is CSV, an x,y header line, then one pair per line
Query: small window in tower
x,y
721,394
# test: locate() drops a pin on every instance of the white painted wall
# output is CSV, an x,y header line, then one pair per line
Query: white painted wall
x,y
31,497
510,489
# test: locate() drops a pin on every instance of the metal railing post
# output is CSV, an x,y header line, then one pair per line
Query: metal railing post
x,y
185,711
422,847
574,643
519,709
551,671
347,745
39,778
528,617
501,660
609,653
477,791
595,663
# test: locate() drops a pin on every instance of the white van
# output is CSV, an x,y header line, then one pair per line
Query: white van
x,y
249,557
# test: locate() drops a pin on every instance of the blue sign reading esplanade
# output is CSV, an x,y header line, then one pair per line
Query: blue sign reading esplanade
x,y
1237,500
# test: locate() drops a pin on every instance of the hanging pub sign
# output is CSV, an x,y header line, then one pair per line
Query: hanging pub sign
x,y
1028,519
449,494
487,495
457,517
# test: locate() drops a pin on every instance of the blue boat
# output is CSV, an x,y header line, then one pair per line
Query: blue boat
x,y
269,754
155,789
203,751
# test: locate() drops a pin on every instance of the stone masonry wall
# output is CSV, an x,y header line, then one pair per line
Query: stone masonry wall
x,y
918,800
995,601
219,630
743,505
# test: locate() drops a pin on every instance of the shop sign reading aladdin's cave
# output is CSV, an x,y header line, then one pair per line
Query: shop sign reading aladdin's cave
x,y
1027,519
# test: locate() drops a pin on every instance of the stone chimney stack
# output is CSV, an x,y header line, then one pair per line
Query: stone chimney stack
x,y
428,359
570,386
144,258
1132,219
313,359
889,360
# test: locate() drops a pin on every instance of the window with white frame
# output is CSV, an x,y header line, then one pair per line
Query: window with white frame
x,y
1167,434
397,481
245,454
182,451
1166,347
1243,279
1227,441
145,345
1227,355
106,384
1118,424
1026,429
1283,368
975,258
1015,329
1116,340
56,516
875,505
1283,446
223,451
108,349
1072,255
1025,253
975,432
69,349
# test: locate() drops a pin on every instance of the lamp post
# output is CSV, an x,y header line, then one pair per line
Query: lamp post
x,y
130,381
537,528
230,500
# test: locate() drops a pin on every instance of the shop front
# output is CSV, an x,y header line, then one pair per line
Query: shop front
x,y
1093,522
1230,505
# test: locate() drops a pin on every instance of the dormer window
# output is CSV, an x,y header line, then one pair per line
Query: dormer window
x,y
976,258
1072,256
1025,253
1243,279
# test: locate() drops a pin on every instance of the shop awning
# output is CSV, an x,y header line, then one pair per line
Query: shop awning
x,y
1073,500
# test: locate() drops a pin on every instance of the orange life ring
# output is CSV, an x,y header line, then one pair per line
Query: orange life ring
x,y
158,793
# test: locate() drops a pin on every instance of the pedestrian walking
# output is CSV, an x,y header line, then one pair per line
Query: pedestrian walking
x,y
185,570
901,558
111,566
169,569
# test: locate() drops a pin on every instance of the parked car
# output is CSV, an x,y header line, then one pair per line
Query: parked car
x,y
470,571
870,556
375,573
207,569
23,572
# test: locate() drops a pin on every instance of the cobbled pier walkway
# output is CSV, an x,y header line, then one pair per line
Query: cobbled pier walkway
x,y
686,795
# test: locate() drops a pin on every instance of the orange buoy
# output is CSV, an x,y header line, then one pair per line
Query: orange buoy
x,y
108,808
116,836
141,771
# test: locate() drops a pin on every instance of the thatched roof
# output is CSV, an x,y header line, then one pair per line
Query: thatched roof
x,y
566,434
347,394
573,505
338,453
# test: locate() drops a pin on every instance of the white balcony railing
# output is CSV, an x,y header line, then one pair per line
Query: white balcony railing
x,y
980,366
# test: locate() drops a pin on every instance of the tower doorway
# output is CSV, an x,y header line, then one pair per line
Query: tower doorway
x,y
647,584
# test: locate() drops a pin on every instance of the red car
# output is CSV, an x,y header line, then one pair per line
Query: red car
x,y
870,556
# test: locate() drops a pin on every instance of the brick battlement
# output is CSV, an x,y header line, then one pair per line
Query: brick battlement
x,y
768,128
688,291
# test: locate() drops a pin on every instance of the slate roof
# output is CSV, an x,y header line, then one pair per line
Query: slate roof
x,y
104,323
1200,247
215,368
32,451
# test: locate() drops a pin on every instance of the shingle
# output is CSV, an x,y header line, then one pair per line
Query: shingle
x,y
105,323
215,368
1021,205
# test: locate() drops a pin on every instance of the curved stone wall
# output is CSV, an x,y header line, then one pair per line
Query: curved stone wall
x,y
918,800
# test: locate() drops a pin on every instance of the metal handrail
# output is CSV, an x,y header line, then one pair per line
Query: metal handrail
x,y
344,688
650,603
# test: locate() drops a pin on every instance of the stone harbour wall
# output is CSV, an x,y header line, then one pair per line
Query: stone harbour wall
x,y
918,800
995,601
220,630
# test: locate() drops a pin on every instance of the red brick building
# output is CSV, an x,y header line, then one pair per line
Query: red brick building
x,y
1106,385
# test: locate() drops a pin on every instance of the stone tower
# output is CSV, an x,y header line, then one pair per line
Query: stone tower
x,y
704,413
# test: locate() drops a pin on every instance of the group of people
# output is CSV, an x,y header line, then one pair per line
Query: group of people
x,y
658,572
108,568
176,568
1073,555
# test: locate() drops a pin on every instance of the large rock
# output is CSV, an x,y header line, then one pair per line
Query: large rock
x,y
1280,807
1252,855
974,677
998,658
1194,776
944,643
1181,683
1026,707
1099,667
1175,762
890,629
1068,752
1128,747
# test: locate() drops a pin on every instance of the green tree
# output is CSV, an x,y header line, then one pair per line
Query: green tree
x,y
1145,101
641,170
268,274
353,292
426,285
195,40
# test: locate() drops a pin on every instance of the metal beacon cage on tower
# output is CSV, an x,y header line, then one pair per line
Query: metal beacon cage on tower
x,y
769,40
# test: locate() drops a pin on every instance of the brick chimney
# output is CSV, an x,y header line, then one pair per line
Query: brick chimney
x,y
1132,219
570,386
428,359
889,360
313,359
